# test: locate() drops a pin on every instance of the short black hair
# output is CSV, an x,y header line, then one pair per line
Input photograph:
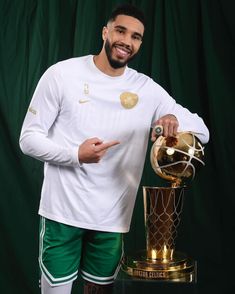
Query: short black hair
x,y
128,9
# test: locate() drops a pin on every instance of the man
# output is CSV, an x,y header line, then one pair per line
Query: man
x,y
89,121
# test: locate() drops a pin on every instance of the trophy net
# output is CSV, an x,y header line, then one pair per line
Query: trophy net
x,y
162,212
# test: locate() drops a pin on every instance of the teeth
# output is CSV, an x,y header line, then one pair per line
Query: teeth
x,y
121,51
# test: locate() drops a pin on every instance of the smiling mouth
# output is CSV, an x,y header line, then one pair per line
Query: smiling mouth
x,y
122,51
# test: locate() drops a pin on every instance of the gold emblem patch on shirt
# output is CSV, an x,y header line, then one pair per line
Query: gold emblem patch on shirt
x,y
128,99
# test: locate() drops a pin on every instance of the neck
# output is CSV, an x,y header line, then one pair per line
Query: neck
x,y
102,63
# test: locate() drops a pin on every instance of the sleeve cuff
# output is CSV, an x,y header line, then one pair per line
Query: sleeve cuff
x,y
75,158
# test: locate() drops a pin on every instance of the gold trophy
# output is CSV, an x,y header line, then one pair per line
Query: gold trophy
x,y
175,159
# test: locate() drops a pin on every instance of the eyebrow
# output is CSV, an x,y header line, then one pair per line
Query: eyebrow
x,y
125,29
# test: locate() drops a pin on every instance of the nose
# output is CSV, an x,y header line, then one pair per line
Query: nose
x,y
127,40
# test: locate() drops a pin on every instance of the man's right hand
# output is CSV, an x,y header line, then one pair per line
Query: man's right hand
x,y
92,150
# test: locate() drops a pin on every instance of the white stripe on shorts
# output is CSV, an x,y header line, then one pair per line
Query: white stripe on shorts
x,y
48,276
103,280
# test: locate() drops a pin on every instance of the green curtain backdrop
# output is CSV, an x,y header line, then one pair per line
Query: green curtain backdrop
x,y
189,49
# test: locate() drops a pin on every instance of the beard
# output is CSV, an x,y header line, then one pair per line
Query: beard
x,y
113,62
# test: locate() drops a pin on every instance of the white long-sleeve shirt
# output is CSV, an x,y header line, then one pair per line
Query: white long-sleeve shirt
x,y
75,101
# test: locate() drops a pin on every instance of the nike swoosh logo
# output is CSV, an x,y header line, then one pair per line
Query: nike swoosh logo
x,y
83,100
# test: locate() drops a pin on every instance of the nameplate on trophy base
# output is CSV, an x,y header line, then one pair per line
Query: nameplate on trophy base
x,y
180,269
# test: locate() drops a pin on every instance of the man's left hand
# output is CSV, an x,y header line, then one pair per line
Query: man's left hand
x,y
170,126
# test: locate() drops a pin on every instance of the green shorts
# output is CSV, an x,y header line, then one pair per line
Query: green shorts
x,y
65,249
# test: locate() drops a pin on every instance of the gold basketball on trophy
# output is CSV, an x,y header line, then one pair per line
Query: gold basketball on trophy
x,y
177,159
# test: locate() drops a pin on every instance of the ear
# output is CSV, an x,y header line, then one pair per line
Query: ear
x,y
104,33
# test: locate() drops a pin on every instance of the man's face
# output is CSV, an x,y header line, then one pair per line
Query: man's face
x,y
122,40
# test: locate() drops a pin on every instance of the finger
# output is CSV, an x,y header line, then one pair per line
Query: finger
x,y
165,131
106,145
171,129
153,136
95,141
175,129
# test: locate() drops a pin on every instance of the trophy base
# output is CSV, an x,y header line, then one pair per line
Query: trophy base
x,y
179,269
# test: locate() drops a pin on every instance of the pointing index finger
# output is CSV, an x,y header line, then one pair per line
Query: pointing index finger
x,y
107,145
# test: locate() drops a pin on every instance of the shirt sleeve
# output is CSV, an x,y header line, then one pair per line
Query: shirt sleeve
x,y
42,113
188,121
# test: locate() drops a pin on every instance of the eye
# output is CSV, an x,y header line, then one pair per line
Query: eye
x,y
120,31
137,38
